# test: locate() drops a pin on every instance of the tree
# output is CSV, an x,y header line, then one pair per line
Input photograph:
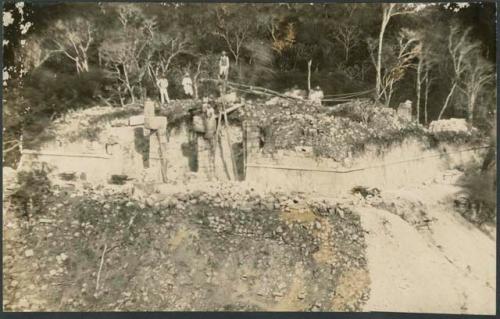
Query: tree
x,y
348,34
426,61
460,48
281,39
234,26
389,10
125,53
166,47
35,52
398,59
73,38
478,73
428,82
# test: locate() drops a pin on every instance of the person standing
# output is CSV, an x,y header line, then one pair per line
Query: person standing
x,y
187,84
210,120
316,95
163,87
224,66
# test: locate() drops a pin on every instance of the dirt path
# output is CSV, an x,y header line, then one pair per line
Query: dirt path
x,y
446,268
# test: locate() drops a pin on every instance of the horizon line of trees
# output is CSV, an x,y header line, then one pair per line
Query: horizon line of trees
x,y
114,53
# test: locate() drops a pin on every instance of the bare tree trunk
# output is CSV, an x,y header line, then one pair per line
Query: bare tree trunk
x,y
389,96
419,83
447,101
127,84
195,80
471,106
85,64
309,63
77,66
385,21
426,96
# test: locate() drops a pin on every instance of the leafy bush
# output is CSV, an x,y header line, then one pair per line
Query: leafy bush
x,y
33,192
360,110
30,105
480,195
118,179
60,92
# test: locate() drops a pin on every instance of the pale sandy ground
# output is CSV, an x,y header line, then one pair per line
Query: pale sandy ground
x,y
450,268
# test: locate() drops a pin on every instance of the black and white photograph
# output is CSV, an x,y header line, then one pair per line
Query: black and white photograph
x,y
249,157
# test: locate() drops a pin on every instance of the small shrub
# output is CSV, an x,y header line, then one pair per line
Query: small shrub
x,y
118,179
67,176
480,195
31,196
365,191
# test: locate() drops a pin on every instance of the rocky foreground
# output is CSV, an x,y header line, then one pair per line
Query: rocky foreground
x,y
221,249
228,246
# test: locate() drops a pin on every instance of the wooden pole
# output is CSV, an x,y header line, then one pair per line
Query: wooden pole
x,y
233,160
309,64
253,89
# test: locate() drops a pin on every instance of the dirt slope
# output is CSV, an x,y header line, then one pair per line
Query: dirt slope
x,y
448,267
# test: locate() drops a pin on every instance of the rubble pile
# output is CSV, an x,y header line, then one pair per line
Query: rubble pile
x,y
183,250
331,133
453,130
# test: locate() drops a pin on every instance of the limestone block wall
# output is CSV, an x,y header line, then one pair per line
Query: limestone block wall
x,y
95,167
396,166
177,161
118,152
219,163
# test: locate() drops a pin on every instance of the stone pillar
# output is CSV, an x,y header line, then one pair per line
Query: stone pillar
x,y
251,137
156,128
251,143
149,111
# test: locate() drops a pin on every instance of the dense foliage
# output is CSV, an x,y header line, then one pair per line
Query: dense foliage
x,y
66,56
30,197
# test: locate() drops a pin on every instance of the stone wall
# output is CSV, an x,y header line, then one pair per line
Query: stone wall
x,y
124,150
410,162
177,162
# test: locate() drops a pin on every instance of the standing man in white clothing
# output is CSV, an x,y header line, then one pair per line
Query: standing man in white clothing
x,y
224,66
187,84
163,86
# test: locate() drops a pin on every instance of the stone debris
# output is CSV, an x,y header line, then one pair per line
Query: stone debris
x,y
310,128
230,223
453,125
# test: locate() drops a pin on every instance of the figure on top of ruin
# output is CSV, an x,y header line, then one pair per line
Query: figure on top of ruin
x,y
224,66
209,118
316,95
163,87
187,84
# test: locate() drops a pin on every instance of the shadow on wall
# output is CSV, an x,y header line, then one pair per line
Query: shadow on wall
x,y
189,150
141,144
237,150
